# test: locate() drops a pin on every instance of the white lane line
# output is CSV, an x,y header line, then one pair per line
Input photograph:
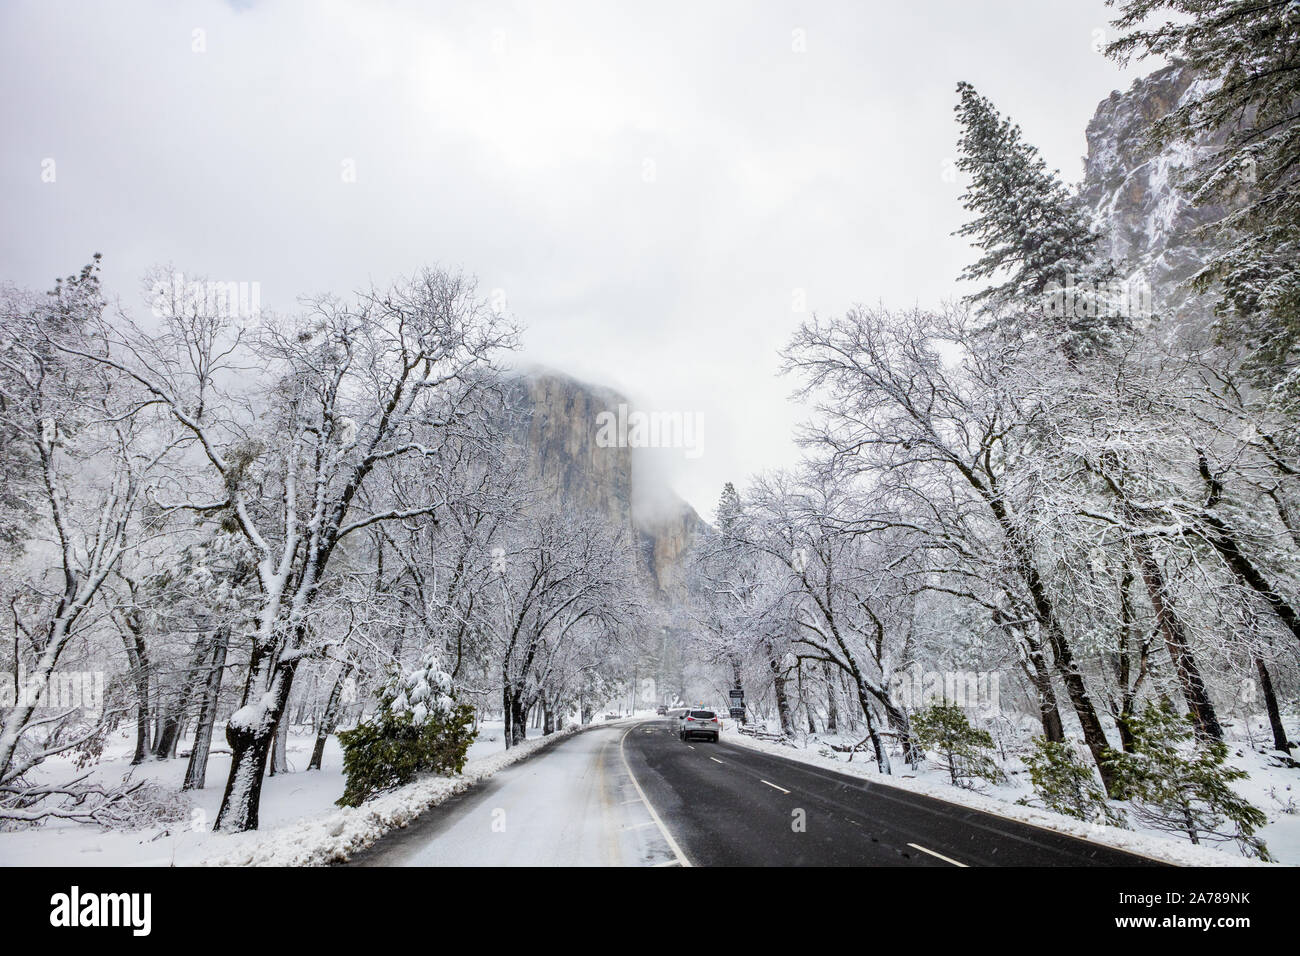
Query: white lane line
x,y
668,837
690,746
946,859
667,863
633,800
715,760
638,826
774,786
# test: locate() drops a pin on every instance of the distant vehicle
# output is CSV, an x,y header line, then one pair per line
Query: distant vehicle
x,y
699,724
662,711
613,716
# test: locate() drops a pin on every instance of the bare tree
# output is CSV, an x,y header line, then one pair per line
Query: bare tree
x,y
346,390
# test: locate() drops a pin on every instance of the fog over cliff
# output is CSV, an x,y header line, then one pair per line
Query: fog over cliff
x,y
557,419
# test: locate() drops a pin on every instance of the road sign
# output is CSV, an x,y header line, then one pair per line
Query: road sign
x,y
737,701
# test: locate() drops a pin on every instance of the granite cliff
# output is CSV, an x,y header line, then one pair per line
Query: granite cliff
x,y
554,417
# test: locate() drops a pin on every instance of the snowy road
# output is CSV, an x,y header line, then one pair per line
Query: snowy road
x,y
573,805
729,805
635,795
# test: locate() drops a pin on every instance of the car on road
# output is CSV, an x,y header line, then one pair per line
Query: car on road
x,y
662,711
699,724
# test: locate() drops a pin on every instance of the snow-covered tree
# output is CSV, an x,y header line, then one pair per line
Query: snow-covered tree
x,y
1035,238
349,390
92,447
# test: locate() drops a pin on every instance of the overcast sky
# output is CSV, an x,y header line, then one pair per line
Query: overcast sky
x,y
654,187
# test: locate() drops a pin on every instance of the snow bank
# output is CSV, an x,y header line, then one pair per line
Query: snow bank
x,y
334,837
1144,844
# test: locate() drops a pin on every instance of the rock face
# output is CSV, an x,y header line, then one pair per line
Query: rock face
x,y
555,418
1132,190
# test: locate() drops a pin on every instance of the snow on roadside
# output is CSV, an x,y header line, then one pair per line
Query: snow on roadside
x,y
1157,847
334,837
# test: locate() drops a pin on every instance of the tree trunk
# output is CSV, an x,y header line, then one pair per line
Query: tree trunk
x,y
1180,651
782,697
832,707
1270,703
1039,673
137,656
167,734
197,771
1126,741
1093,734
329,720
882,755
169,729
518,720
250,744
1075,688
1223,541
548,719
280,744
508,733
1128,684
1045,613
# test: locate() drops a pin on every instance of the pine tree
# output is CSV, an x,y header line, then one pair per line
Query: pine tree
x,y
1172,786
417,728
730,514
1034,232
1247,57
1067,785
961,748
729,510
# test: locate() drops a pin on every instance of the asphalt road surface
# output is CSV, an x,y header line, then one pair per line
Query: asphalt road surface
x,y
635,795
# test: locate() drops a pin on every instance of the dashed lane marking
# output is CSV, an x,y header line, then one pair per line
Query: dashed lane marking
x,y
668,837
946,859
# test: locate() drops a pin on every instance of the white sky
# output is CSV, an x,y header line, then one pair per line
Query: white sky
x,y
513,140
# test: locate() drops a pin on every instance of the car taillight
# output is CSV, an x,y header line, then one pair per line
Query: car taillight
x,y
715,720
691,719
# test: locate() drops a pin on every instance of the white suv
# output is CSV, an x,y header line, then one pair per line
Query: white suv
x,y
699,723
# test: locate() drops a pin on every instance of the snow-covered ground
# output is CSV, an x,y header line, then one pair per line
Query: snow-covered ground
x,y
1274,790
301,825
294,808
577,806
